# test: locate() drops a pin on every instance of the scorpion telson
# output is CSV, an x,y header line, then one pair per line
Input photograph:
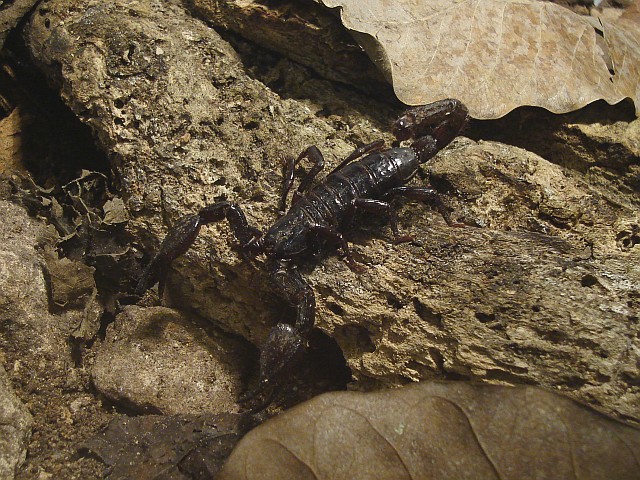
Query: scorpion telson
x,y
365,181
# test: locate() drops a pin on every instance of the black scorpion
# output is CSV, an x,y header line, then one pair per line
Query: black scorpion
x,y
315,221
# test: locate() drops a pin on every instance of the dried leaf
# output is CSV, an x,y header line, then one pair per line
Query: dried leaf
x,y
439,431
70,281
168,447
90,320
496,55
115,211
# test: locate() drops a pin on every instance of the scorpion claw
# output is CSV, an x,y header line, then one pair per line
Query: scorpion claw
x,y
154,272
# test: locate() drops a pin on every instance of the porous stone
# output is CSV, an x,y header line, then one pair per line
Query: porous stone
x,y
159,360
15,429
11,14
27,323
35,351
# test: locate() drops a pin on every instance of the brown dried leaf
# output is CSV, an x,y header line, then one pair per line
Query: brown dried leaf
x,y
168,447
71,281
437,431
496,55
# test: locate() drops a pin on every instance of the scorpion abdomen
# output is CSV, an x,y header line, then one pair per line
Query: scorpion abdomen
x,y
369,178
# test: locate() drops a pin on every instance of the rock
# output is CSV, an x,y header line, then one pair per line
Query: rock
x,y
34,347
616,148
327,47
538,288
232,136
541,291
167,446
600,141
23,289
11,15
15,429
159,360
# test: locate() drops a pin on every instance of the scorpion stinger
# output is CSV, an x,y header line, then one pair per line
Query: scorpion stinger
x,y
366,181
286,343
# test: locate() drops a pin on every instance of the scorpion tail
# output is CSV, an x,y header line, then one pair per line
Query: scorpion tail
x,y
280,354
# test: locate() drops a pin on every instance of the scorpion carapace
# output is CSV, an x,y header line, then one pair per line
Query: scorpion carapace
x,y
365,181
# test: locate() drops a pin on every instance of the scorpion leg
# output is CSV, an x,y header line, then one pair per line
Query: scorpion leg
x,y
184,233
286,343
331,235
427,195
380,206
358,152
313,154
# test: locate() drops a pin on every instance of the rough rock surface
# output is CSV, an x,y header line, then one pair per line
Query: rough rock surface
x,y
15,428
184,126
54,383
543,288
327,47
11,14
156,359
23,288
33,345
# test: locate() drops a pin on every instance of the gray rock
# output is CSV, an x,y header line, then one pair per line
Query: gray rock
x,y
24,307
15,429
327,47
157,359
23,312
35,350
23,288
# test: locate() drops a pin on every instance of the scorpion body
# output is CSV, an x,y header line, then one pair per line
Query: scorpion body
x,y
316,220
332,203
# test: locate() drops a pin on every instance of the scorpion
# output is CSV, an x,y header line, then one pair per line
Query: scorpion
x,y
366,180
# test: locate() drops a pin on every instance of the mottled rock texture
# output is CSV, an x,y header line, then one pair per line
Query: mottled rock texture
x,y
155,359
33,342
541,287
308,33
15,428
11,14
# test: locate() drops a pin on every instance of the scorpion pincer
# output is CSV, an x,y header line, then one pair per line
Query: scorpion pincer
x,y
365,181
